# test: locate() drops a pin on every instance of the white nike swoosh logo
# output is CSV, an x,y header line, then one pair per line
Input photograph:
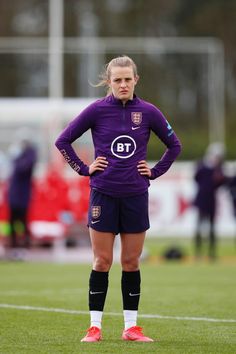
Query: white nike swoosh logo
x,y
130,294
96,292
94,222
134,128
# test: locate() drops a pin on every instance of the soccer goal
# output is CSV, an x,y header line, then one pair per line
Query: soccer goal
x,y
183,76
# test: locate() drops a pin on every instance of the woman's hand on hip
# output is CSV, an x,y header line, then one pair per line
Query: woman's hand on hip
x,y
143,168
99,164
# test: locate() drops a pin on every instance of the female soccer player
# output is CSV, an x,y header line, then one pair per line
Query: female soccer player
x,y
120,125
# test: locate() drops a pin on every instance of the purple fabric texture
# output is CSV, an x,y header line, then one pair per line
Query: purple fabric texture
x,y
121,134
19,190
208,179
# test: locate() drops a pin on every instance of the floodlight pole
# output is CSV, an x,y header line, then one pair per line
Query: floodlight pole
x,y
55,48
216,93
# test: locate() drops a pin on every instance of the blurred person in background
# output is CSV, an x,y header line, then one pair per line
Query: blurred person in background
x,y
23,155
209,176
4,167
120,124
232,190
4,173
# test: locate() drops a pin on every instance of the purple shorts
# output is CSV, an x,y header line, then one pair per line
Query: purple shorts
x,y
118,215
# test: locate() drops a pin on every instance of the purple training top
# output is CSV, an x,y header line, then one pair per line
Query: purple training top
x,y
20,182
208,179
120,133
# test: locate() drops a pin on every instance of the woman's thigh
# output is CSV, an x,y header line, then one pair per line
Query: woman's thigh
x,y
102,247
131,250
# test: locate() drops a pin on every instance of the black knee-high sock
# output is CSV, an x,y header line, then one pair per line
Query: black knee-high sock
x,y
98,285
130,285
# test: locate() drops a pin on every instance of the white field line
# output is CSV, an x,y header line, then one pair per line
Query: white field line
x,y
76,312
39,292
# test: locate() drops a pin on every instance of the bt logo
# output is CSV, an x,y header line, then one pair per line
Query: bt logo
x,y
123,146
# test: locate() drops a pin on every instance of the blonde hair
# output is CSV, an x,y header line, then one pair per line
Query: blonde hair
x,y
121,61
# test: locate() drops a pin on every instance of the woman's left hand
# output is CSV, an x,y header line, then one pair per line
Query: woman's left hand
x,y
143,168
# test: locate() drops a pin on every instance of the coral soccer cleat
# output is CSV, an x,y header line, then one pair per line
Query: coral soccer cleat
x,y
94,334
135,334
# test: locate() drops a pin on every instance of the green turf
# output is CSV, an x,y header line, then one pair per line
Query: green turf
x,y
185,289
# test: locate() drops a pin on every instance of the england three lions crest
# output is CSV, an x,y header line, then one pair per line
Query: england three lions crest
x,y
136,117
96,211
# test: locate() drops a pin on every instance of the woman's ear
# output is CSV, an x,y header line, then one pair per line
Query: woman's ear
x,y
136,79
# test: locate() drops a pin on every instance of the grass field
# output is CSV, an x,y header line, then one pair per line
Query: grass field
x,y
186,307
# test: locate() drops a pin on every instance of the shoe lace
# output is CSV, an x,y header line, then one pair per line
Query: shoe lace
x,y
92,330
137,329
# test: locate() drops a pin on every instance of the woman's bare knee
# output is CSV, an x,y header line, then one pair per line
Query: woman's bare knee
x,y
102,263
130,264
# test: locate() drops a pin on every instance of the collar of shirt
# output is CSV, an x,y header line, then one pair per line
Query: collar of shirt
x,y
112,99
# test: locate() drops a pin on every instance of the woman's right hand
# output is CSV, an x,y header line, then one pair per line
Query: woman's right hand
x,y
98,165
